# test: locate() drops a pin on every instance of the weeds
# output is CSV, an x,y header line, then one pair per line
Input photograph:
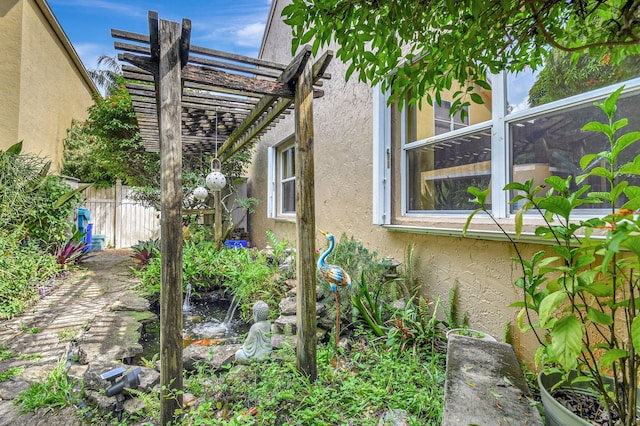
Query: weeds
x,y
10,373
55,392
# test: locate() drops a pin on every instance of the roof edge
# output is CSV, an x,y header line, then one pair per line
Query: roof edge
x,y
57,28
267,27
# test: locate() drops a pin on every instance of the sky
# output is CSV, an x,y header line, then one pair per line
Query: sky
x,y
234,26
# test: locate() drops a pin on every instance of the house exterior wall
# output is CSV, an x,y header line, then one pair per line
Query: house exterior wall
x,y
43,82
481,270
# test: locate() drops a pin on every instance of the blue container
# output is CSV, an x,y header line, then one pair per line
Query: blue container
x,y
236,244
88,237
84,216
98,242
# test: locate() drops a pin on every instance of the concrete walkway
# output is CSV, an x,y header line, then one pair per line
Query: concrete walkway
x,y
44,334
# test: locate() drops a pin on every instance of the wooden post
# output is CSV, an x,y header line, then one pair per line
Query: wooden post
x,y
169,92
306,223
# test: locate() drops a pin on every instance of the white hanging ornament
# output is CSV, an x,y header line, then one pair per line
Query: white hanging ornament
x,y
215,180
200,193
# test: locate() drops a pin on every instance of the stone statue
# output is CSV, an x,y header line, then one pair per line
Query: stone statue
x,y
257,346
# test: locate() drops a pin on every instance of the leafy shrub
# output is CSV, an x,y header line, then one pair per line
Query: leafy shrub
x,y
23,268
144,251
34,201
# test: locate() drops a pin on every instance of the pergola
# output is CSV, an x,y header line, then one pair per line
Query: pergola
x,y
190,99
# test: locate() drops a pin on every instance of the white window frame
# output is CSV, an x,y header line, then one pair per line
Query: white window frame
x,y
500,146
274,181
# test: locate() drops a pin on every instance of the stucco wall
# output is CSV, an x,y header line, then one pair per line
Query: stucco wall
x,y
10,43
481,270
48,88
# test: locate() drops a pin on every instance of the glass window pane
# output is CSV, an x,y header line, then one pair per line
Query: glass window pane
x,y
439,174
560,78
289,196
288,163
554,143
425,121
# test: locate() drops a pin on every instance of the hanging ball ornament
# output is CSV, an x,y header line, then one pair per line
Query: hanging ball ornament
x,y
200,193
215,180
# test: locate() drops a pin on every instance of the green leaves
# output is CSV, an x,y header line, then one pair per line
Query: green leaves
x,y
566,341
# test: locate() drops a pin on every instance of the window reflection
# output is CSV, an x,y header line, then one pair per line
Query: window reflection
x,y
554,143
440,173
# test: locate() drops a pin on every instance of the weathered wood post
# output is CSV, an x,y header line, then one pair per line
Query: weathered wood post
x,y
169,91
305,216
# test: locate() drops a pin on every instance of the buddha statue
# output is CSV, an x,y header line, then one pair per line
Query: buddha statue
x,y
257,346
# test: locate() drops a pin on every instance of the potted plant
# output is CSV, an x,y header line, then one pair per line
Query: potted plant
x,y
581,297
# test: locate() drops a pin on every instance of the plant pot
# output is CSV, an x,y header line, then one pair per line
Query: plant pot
x,y
469,332
557,414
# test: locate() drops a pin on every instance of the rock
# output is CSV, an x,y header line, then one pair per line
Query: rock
x,y
149,378
111,336
131,303
394,417
278,340
134,405
284,324
12,387
288,306
76,372
214,356
98,400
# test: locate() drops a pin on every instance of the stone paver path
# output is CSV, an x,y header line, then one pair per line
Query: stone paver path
x,y
47,329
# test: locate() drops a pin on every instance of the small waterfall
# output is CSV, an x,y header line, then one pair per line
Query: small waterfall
x,y
230,312
186,306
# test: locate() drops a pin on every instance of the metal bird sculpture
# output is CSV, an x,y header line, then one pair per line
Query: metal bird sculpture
x,y
335,276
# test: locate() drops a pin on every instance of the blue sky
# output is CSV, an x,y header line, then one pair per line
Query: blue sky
x,y
230,25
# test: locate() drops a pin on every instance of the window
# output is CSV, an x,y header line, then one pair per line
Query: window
x,y
282,180
288,180
444,154
529,126
444,122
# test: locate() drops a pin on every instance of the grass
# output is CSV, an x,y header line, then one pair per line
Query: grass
x,y
365,381
11,372
55,392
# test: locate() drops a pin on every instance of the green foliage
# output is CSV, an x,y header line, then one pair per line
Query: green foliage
x,y
581,297
562,76
31,199
369,308
416,326
107,146
10,373
56,391
244,272
74,251
144,251
369,380
23,269
429,45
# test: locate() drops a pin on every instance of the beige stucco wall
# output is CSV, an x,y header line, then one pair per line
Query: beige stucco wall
x,y
43,83
481,269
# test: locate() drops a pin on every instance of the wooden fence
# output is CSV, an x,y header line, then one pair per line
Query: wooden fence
x,y
121,220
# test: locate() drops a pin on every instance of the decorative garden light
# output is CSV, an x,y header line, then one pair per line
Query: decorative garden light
x,y
215,180
200,193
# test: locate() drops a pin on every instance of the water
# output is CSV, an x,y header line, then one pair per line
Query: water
x,y
204,321
186,305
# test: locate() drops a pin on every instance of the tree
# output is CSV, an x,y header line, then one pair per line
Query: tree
x,y
108,146
429,45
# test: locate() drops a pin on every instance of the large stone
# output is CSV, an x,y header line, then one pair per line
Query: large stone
x,y
484,382
288,306
214,356
111,336
92,379
284,324
131,302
